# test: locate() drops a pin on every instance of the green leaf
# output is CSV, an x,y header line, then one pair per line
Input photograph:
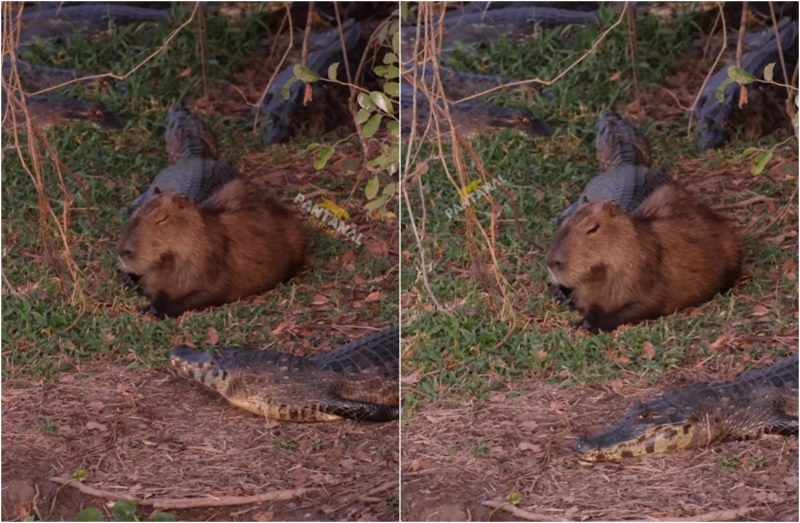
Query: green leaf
x,y
29,517
124,510
80,474
390,58
719,94
383,32
371,127
761,160
396,43
305,74
165,516
371,190
333,71
392,71
90,514
365,101
394,127
375,204
287,87
322,157
739,75
514,497
363,115
769,71
388,189
392,89
382,101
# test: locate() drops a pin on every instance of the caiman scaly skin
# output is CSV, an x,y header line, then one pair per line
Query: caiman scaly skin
x,y
758,401
358,380
188,136
628,176
197,178
192,150
618,142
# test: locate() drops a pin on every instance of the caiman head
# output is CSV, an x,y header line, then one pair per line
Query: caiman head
x,y
648,428
199,365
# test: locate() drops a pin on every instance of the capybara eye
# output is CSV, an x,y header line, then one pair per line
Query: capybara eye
x,y
593,229
162,219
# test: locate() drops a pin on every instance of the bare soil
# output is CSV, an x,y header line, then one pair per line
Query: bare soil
x,y
518,444
150,434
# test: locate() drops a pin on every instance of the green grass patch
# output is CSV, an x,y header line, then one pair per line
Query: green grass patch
x,y
48,327
469,351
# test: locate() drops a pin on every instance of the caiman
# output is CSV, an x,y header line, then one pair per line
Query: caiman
x,y
758,401
358,380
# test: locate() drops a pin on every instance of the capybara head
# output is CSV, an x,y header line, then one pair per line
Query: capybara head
x,y
587,241
156,233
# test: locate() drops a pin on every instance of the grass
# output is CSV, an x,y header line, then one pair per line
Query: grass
x,y
48,329
469,351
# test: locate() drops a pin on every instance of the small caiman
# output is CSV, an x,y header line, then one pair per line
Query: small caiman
x,y
758,401
358,380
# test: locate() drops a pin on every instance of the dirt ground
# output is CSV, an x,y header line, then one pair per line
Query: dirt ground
x,y
519,442
126,427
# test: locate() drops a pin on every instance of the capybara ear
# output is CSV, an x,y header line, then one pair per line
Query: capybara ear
x,y
182,201
156,191
612,208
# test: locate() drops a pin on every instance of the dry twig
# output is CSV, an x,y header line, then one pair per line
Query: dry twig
x,y
518,512
185,503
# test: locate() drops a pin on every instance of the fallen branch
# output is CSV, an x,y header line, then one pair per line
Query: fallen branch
x,y
719,515
743,203
518,512
184,503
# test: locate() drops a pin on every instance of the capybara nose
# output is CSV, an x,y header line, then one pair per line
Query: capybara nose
x,y
554,262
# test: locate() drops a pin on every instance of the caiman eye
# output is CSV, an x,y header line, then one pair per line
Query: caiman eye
x,y
645,416
593,229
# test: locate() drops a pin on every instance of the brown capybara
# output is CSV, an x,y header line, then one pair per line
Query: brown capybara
x,y
672,252
187,256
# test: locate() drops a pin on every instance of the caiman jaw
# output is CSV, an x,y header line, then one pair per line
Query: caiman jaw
x,y
199,366
654,440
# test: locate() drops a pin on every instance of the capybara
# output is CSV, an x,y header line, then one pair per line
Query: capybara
x,y
188,256
672,252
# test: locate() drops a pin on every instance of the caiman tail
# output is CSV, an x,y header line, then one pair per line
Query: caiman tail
x,y
758,401
357,381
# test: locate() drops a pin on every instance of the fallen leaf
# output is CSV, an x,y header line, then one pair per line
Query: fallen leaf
x,y
280,328
93,425
319,299
759,310
374,296
529,425
524,445
409,379
648,351
498,398
616,385
721,340
213,336
185,73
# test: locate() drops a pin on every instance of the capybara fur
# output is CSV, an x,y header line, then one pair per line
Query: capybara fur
x,y
672,252
187,256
